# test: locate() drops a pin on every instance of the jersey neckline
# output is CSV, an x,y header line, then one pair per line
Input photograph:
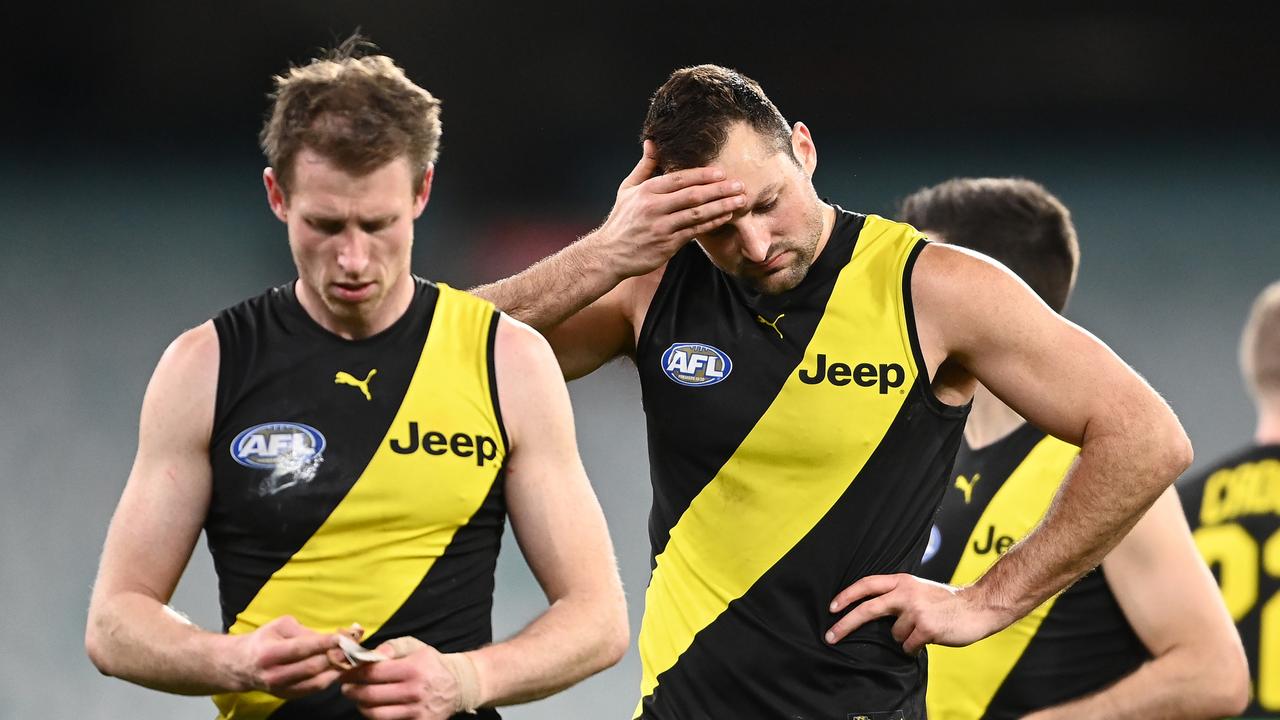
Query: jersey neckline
x,y
1024,433
297,317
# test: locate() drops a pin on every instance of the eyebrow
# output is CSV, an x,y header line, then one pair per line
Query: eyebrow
x,y
344,219
767,191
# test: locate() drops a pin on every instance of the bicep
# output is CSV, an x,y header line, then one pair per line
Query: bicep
x,y
1163,587
162,508
1049,370
554,512
602,331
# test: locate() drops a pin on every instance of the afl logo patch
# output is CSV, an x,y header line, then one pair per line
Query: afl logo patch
x,y
275,444
935,542
696,364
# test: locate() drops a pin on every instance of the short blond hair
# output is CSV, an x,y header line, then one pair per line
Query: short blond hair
x,y
1260,344
358,111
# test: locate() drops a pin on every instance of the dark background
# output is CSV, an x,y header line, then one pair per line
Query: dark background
x,y
131,208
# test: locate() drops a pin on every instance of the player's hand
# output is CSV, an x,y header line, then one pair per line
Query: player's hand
x,y
653,217
926,611
416,683
286,659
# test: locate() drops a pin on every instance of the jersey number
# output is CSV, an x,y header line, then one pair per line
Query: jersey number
x,y
1235,552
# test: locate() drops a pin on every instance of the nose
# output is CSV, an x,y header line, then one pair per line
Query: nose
x,y
753,240
353,253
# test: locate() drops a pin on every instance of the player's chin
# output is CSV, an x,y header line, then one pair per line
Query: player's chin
x,y
779,281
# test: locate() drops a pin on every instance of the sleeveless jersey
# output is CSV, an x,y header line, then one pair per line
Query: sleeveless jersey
x,y
1075,643
1234,512
795,446
356,480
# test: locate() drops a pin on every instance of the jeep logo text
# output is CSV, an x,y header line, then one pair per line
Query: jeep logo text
x,y
482,447
885,375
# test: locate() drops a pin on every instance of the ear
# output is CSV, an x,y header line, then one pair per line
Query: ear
x,y
420,200
805,151
275,195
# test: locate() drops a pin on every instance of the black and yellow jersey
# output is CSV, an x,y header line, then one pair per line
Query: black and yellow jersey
x,y
1234,512
1075,643
795,446
356,480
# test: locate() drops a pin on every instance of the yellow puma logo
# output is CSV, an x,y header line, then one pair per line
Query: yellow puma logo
x,y
346,378
760,319
966,486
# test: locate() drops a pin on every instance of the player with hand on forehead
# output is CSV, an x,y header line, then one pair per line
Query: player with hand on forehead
x,y
797,467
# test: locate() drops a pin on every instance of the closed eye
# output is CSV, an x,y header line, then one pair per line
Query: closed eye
x,y
717,232
766,207
326,226
373,226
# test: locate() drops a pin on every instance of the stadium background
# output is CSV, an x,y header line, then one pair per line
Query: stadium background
x,y
131,208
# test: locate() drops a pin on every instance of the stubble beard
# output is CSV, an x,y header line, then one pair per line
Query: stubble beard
x,y
792,275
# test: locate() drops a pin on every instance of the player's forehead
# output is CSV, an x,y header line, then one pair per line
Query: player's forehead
x,y
320,186
744,146
752,158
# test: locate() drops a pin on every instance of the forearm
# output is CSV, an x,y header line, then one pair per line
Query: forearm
x,y
1116,479
554,288
1178,685
136,638
573,639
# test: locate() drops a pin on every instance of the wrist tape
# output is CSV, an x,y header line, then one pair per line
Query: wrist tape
x,y
464,671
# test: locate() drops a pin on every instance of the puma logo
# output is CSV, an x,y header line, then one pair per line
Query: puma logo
x,y
760,319
966,486
346,378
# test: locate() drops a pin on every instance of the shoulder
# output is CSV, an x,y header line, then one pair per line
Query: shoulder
x,y
257,305
647,284
945,269
638,293
193,355
181,395
531,392
959,292
518,345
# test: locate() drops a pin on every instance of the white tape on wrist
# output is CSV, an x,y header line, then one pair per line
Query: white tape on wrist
x,y
464,671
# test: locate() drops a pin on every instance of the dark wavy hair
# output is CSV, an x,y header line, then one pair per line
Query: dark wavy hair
x,y
1013,220
690,115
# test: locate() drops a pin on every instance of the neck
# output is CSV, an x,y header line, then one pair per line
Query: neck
x,y
990,420
1268,431
361,322
828,224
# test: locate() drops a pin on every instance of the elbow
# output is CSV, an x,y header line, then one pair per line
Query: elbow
x,y
95,646
605,631
616,638
1172,453
1180,454
613,634
1219,683
1226,699
619,642
1231,692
